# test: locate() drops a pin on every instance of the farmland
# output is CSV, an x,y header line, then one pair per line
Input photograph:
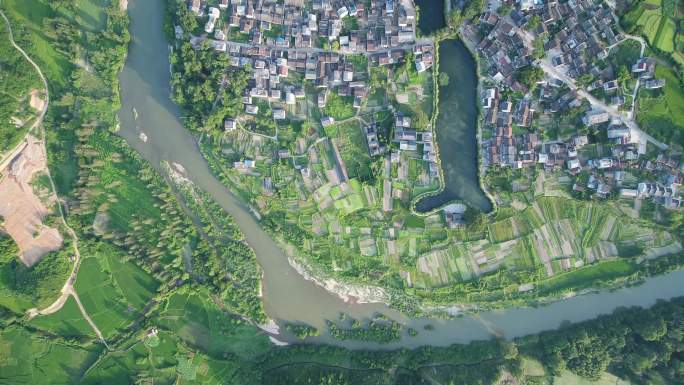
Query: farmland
x,y
555,244
661,112
27,359
657,20
102,295
113,293
197,320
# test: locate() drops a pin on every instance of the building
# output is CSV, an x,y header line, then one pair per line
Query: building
x,y
214,14
594,117
229,125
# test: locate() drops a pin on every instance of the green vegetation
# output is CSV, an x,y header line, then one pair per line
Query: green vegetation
x,y
443,79
27,358
17,79
339,107
529,76
68,322
625,343
351,143
472,9
377,330
104,292
638,345
230,262
199,319
21,287
196,72
657,21
302,331
661,112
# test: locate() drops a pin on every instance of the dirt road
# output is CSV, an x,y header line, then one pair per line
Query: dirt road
x,y
68,288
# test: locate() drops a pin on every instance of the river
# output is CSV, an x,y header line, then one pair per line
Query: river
x,y
144,86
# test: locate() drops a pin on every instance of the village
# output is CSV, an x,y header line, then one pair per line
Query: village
x,y
336,136
588,84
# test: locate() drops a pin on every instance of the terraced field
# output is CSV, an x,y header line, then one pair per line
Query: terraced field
x,y
553,236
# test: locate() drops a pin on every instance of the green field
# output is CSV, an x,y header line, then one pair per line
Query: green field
x,y
661,112
68,321
137,286
569,378
657,20
339,107
54,64
28,359
588,276
351,143
196,319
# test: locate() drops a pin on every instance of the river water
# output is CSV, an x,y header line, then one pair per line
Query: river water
x,y
144,86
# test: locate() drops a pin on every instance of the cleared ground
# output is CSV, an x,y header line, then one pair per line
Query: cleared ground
x,y
22,209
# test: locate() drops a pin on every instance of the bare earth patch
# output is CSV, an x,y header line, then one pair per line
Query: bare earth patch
x,y
36,102
22,210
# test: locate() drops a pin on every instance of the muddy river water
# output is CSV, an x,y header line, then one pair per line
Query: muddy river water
x,y
287,296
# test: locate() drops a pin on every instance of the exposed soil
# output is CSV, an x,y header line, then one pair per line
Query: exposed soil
x,y
22,210
36,102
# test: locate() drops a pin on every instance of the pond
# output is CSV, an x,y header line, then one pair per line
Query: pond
x,y
456,130
431,16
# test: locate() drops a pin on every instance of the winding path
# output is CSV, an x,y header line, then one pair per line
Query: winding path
x,y
68,288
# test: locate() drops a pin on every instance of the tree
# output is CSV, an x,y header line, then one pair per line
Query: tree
x,y
529,76
534,22
505,9
538,44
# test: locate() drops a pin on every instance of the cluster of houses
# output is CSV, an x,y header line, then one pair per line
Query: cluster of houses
x,y
586,29
578,32
350,25
502,49
605,174
409,140
382,33
504,148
